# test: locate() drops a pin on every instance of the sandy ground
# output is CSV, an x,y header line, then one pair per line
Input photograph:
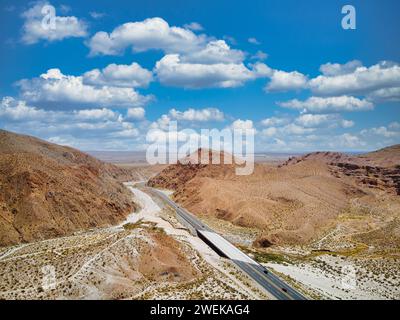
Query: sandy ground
x,y
324,276
328,286
333,277
148,256
151,212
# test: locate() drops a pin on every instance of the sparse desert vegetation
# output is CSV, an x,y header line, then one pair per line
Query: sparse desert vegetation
x,y
308,218
49,190
136,260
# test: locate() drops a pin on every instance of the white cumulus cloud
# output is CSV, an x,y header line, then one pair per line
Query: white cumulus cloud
x,y
135,113
201,115
53,87
274,121
346,140
329,104
285,81
323,120
362,80
13,109
385,94
171,71
217,51
96,114
152,33
295,129
382,131
315,120
88,129
121,75
336,69
38,27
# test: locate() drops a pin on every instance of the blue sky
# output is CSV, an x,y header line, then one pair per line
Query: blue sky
x,y
112,70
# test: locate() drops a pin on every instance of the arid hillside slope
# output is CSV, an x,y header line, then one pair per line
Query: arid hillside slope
x,y
48,190
386,157
379,169
294,203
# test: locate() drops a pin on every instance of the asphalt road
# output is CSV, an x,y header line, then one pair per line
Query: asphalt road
x,y
275,286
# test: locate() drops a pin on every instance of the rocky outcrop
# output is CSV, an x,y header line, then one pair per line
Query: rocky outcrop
x,y
386,179
48,190
295,203
379,169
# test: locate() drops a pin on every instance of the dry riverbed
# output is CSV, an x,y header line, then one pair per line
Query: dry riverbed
x,y
149,256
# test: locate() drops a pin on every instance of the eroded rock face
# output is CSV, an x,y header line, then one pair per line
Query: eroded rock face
x,y
379,169
386,179
294,203
48,190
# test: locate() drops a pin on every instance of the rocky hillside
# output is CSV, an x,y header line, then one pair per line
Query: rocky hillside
x,y
379,169
297,202
47,190
176,176
386,157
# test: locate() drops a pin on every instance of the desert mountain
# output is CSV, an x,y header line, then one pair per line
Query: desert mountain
x,y
386,157
379,169
47,190
293,203
176,176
